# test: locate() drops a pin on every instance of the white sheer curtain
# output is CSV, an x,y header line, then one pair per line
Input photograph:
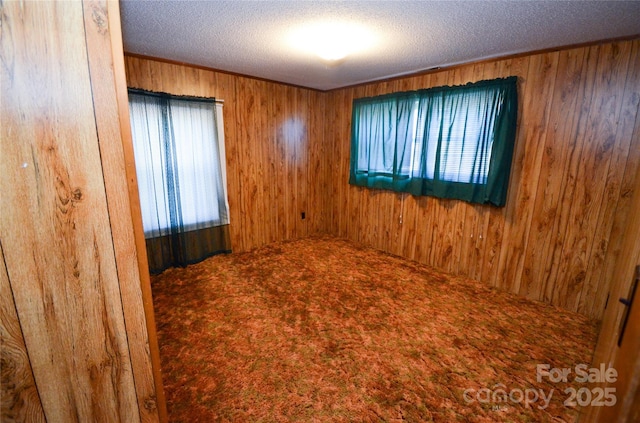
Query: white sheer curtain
x,y
179,153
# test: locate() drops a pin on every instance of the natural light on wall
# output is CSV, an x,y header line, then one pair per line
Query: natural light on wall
x,y
332,41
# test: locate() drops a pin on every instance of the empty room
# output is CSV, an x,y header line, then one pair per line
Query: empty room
x,y
332,211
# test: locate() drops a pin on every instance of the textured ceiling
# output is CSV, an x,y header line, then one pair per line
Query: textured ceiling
x,y
251,37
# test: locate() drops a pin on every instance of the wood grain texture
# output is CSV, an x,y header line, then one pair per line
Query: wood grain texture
x,y
626,358
538,83
104,46
569,195
62,259
20,399
615,201
559,234
599,139
559,143
274,145
134,205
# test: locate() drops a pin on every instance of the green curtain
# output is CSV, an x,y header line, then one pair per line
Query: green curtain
x,y
449,142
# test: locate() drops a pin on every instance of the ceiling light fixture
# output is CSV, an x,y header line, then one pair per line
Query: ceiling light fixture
x,y
332,41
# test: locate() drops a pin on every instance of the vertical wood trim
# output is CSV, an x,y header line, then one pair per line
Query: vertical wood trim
x,y
55,234
106,63
20,398
136,212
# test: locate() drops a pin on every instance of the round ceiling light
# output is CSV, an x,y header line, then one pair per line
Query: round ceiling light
x,y
332,41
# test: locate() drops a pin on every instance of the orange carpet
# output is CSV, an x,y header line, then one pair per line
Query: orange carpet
x,y
323,330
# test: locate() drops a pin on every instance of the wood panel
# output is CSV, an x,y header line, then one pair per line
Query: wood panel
x,y
66,236
317,186
106,59
20,399
560,144
615,198
274,145
81,354
559,234
555,240
626,358
538,83
599,138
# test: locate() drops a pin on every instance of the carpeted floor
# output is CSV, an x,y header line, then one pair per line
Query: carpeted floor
x,y
322,330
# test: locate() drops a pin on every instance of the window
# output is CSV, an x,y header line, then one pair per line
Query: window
x,y
180,165
178,154
449,142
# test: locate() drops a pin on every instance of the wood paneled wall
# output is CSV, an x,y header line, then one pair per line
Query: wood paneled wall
x,y
574,167
75,346
576,156
626,357
75,340
274,148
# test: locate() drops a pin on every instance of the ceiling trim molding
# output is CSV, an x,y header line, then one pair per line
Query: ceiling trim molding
x,y
395,77
210,69
492,59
